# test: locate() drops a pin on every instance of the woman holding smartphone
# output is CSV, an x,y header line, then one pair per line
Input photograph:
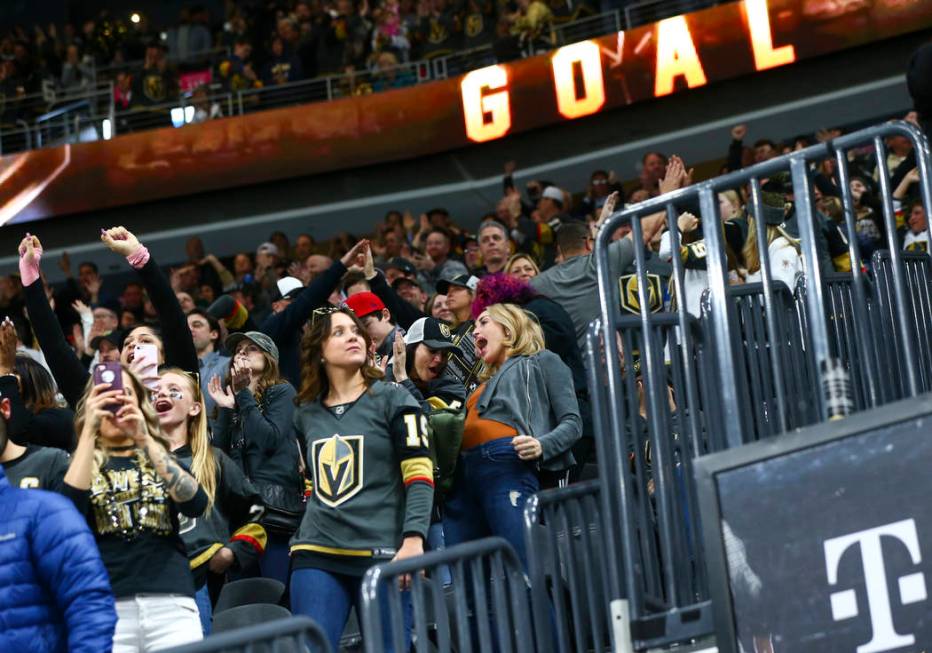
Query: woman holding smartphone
x,y
254,426
373,485
227,537
522,419
132,490
173,342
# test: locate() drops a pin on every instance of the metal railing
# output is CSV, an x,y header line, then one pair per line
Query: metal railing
x,y
755,365
649,11
295,635
587,28
567,559
486,608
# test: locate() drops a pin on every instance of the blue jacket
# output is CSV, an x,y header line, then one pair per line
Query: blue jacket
x,y
54,590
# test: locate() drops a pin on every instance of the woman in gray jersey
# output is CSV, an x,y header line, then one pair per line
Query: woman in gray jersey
x,y
373,486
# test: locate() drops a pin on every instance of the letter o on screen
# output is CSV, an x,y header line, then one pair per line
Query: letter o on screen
x,y
587,55
486,108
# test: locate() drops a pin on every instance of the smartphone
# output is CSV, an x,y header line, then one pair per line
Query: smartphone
x,y
146,356
111,373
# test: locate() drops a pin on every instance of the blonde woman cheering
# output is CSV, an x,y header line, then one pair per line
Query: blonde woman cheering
x,y
131,489
522,419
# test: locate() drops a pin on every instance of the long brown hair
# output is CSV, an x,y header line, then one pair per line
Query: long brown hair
x,y
203,461
150,417
751,253
36,385
314,382
270,376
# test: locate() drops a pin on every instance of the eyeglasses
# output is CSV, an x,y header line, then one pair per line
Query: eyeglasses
x,y
599,182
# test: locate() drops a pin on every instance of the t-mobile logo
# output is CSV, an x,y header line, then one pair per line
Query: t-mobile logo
x,y
912,586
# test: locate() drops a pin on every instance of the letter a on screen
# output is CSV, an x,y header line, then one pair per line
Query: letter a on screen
x,y
676,55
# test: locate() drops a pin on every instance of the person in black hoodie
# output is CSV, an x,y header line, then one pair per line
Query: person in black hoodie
x,y
254,426
228,536
285,326
173,341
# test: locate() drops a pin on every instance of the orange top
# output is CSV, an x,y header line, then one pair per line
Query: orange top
x,y
478,431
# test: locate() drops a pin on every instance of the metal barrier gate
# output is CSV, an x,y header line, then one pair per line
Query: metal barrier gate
x,y
666,390
566,564
295,635
486,608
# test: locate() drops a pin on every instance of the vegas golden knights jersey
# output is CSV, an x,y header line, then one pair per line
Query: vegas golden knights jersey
x,y
39,468
372,476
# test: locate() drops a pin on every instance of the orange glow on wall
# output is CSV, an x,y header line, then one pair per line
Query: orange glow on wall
x,y
676,56
487,114
587,56
765,55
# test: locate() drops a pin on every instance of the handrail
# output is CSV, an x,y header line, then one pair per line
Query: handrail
x,y
45,117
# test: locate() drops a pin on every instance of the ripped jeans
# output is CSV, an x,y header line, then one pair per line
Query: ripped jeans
x,y
490,488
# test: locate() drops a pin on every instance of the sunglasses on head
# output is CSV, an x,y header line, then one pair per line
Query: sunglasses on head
x,y
324,311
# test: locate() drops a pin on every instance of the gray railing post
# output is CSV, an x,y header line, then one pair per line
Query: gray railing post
x,y
722,319
805,214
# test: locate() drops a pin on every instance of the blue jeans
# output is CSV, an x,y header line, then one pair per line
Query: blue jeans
x,y
275,562
490,489
327,598
204,608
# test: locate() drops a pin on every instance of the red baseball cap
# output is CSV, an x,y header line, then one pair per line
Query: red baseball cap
x,y
364,303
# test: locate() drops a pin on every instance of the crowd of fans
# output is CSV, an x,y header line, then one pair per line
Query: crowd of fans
x,y
309,409
256,45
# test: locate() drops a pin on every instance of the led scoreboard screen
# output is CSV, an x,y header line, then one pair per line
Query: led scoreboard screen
x,y
572,82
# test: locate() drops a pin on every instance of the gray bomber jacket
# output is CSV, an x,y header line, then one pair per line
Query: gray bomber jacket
x,y
535,395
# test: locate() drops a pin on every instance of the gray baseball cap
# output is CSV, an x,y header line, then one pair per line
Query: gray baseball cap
x,y
258,338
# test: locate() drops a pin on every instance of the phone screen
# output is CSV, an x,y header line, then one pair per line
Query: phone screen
x,y
146,358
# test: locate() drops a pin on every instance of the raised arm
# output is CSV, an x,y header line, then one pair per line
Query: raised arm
x,y
290,321
403,313
67,369
176,336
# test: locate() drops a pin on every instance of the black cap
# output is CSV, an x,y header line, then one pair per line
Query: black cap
x,y
462,280
433,333
111,305
114,337
403,264
397,283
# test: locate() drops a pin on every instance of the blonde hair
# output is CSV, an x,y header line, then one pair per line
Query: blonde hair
x,y
203,461
518,257
150,418
750,251
523,335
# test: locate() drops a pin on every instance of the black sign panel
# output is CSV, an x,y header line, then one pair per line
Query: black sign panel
x,y
822,541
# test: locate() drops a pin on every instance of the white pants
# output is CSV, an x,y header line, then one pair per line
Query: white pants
x,y
150,622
